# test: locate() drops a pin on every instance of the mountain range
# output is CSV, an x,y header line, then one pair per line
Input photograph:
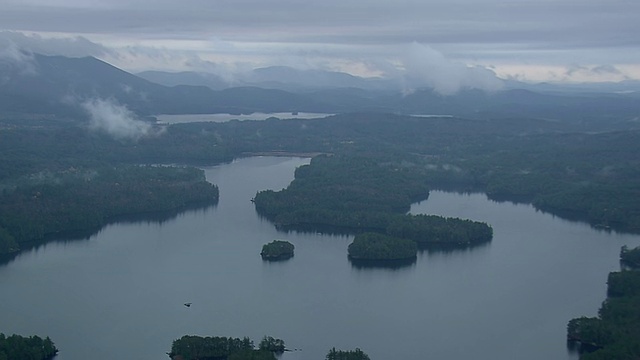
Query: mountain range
x,y
57,85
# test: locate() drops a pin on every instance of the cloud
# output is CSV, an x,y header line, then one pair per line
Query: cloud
x,y
71,46
13,58
106,115
424,66
593,73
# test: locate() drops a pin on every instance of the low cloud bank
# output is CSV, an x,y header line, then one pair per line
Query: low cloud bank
x,y
424,66
12,58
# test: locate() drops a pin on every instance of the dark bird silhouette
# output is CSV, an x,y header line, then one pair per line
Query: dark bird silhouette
x,y
187,304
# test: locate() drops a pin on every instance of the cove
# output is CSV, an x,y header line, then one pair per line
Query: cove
x,y
120,292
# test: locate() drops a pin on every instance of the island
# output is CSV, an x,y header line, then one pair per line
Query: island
x,y
32,347
433,230
277,250
376,247
192,347
356,354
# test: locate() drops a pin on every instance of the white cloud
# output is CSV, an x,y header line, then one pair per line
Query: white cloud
x,y
425,66
108,116
354,34
15,58
72,46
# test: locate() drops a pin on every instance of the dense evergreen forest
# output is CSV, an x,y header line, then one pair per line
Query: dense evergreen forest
x,y
190,347
81,199
277,250
358,194
27,348
615,333
219,348
374,246
568,169
356,354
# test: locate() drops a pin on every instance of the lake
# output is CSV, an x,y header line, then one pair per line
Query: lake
x,y
189,118
120,293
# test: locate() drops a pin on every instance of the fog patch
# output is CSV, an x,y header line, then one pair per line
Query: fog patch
x,y
425,66
76,46
106,115
15,59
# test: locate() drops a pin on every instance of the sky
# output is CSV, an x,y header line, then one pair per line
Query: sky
x,y
469,41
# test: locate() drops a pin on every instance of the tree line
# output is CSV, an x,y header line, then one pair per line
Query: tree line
x,y
80,199
15,347
191,347
615,332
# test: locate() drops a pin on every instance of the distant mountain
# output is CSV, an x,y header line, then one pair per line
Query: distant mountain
x,y
57,85
274,77
191,78
288,78
622,87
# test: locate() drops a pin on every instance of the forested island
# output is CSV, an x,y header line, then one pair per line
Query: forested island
x,y
277,250
374,246
356,354
615,333
223,348
355,195
190,347
32,348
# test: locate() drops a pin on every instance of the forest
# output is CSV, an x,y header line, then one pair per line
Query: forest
x,y
374,246
277,250
191,347
217,348
573,170
358,194
27,348
615,332
84,199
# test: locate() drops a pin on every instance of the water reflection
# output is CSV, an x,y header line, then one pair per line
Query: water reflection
x,y
432,249
579,348
382,264
159,218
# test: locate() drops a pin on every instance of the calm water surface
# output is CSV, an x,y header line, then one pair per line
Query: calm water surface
x,y
189,118
120,293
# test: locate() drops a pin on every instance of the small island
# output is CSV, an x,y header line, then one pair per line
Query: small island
x,y
376,247
21,347
191,347
277,250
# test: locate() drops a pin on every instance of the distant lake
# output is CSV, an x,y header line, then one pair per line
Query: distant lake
x,y
120,293
188,118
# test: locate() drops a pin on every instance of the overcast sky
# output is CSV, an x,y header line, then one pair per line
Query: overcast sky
x,y
540,40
